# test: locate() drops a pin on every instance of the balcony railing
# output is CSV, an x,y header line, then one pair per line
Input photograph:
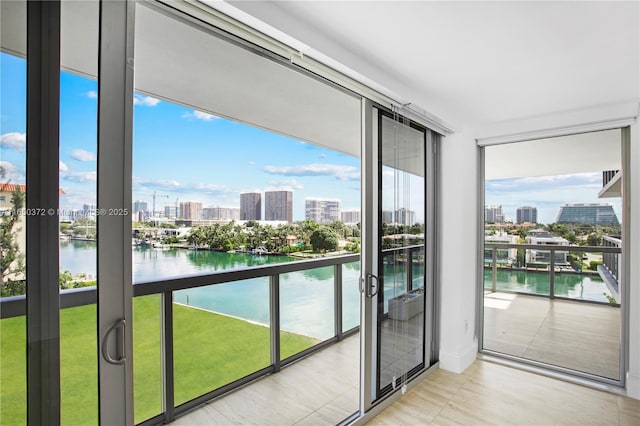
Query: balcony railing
x,y
493,260
274,273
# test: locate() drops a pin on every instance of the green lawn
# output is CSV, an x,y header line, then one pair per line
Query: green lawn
x,y
210,350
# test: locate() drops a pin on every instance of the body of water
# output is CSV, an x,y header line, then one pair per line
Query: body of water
x,y
306,297
575,286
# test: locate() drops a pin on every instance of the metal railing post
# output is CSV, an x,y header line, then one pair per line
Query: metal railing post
x,y
552,273
494,269
337,300
168,384
409,268
274,309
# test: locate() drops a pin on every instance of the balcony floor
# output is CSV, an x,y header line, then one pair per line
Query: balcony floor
x,y
488,393
580,336
321,389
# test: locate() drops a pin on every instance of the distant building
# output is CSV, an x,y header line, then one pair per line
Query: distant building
x,y
322,210
140,206
278,205
171,212
503,255
588,213
387,216
89,211
544,238
350,216
250,206
493,214
405,217
527,214
190,210
221,213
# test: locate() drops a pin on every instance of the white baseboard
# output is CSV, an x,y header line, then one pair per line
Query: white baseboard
x,y
457,362
633,386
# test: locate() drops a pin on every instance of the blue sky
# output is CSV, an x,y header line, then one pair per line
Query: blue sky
x,y
180,153
547,193
193,156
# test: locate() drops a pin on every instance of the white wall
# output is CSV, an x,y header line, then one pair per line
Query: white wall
x,y
459,207
633,376
458,251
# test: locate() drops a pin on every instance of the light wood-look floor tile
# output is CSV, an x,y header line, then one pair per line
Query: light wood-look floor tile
x,y
580,336
494,394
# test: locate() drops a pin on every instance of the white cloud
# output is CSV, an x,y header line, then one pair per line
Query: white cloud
x,y
82,155
286,184
63,167
145,100
14,140
173,185
11,173
80,177
199,115
92,94
338,171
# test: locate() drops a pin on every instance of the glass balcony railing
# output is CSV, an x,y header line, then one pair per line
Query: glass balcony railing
x,y
198,337
581,273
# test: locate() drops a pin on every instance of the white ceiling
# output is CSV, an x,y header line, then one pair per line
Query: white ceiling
x,y
582,153
476,62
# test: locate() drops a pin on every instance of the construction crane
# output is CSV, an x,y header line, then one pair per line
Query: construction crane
x,y
153,212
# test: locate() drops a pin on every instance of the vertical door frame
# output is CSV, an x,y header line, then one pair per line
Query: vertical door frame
x,y
115,291
369,253
42,199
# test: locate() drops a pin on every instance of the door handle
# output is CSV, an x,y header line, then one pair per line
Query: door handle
x,y
119,327
367,286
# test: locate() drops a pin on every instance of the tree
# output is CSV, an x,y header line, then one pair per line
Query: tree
x,y
11,260
323,239
594,239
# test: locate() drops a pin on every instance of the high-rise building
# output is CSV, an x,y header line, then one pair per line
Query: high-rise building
x,y
221,213
588,213
493,214
139,206
405,217
350,216
322,210
171,212
527,214
89,210
387,216
278,205
190,210
250,206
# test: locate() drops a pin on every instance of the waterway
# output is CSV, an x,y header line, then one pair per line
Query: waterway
x,y
306,297
572,285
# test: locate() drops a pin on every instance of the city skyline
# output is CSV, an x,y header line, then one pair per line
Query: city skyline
x,y
183,153
191,155
547,194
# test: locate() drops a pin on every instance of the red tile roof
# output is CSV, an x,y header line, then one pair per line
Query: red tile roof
x,y
10,187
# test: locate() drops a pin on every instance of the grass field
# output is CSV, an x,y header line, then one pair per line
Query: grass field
x,y
210,350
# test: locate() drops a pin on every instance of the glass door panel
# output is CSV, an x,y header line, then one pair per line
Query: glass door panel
x,y
536,299
401,298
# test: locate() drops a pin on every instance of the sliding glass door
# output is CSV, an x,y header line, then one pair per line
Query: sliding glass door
x,y
398,276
